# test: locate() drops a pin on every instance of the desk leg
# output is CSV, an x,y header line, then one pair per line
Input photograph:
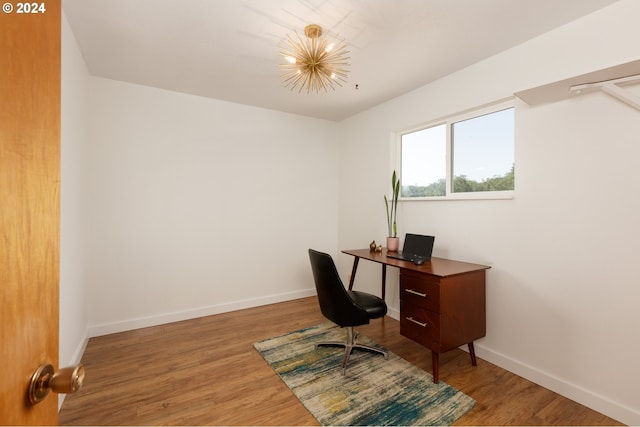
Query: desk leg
x,y
472,353
384,279
435,358
353,272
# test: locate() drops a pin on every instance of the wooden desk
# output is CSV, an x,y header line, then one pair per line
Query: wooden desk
x,y
442,302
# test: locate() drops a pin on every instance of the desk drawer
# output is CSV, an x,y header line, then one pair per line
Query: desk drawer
x,y
420,325
420,292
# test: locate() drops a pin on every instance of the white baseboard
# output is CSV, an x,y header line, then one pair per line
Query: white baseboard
x,y
160,319
571,391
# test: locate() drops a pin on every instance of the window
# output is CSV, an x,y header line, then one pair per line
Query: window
x,y
466,156
424,162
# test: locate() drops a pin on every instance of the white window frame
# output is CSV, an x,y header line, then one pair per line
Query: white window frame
x,y
396,154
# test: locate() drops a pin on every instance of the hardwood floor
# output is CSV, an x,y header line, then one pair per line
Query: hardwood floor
x,y
206,372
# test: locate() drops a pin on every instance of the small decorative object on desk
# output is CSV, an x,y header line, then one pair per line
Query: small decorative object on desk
x,y
393,243
375,248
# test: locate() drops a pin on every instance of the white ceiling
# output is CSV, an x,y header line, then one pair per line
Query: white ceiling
x,y
229,49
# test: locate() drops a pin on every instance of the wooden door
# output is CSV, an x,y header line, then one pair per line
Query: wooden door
x,y
29,204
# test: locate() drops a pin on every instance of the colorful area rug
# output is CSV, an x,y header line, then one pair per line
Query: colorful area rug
x,y
374,391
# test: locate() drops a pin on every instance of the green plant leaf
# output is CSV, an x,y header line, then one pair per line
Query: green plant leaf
x,y
393,210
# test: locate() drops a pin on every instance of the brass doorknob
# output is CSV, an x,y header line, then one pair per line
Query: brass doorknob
x,y
45,379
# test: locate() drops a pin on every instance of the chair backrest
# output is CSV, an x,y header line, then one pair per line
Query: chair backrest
x,y
335,303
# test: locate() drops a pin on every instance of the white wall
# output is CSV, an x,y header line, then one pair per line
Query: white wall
x,y
562,292
199,206
73,201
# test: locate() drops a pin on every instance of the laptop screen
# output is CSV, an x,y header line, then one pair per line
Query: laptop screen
x,y
417,244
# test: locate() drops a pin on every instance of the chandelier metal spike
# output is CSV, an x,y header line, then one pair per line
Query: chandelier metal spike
x,y
314,63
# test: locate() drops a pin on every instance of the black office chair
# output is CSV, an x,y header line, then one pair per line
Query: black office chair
x,y
344,308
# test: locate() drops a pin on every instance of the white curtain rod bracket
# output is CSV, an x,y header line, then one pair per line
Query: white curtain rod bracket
x,y
611,87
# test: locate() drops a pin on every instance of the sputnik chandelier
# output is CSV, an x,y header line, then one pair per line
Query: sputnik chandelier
x,y
314,63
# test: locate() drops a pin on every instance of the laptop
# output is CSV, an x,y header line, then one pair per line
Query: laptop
x,y
416,247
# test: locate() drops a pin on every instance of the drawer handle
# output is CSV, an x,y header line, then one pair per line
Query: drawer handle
x,y
420,294
411,319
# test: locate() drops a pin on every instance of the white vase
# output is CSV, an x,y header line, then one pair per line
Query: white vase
x,y
393,243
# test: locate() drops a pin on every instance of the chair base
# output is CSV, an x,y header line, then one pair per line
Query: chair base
x,y
349,345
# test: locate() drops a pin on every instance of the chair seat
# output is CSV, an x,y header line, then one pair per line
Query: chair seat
x,y
374,306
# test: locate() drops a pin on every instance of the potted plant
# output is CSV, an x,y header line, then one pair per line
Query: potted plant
x,y
393,243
